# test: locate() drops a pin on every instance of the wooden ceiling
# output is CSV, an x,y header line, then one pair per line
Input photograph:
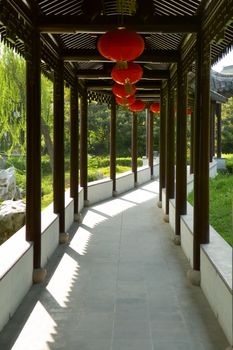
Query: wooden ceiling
x,y
70,29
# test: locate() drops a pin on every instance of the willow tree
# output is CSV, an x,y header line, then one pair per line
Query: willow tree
x,y
12,101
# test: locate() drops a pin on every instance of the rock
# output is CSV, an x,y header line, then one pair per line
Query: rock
x,y
12,216
7,183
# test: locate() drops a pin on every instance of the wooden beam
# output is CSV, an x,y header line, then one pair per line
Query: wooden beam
x,y
156,56
154,24
93,74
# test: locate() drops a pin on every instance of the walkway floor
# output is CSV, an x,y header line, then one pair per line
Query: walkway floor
x,y
119,285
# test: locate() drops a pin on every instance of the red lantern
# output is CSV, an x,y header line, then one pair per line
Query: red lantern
x,y
155,107
137,106
120,45
131,74
122,91
125,102
189,111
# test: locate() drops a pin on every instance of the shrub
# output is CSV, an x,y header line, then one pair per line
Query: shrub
x,y
229,166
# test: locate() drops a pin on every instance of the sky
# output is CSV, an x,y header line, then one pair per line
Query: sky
x,y
226,61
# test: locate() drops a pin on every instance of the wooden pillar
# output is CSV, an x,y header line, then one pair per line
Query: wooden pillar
x,y
58,139
212,114
162,145
113,145
83,144
33,175
147,133
74,147
170,148
219,129
150,115
192,133
181,147
201,178
134,146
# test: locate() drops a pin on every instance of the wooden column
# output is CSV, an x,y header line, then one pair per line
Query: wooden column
x,y
162,145
201,178
170,148
150,115
147,133
58,139
113,145
212,114
33,179
74,147
219,129
134,146
192,133
83,144
181,147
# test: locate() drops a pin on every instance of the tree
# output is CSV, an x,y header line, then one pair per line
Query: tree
x,y
227,126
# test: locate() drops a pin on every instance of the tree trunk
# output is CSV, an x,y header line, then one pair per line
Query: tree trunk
x,y
48,141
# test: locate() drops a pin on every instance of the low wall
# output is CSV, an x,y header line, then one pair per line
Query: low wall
x,y
216,280
50,233
216,268
143,174
80,199
16,269
156,170
124,182
69,210
99,190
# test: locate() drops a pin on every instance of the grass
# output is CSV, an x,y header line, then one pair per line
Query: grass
x,y
221,209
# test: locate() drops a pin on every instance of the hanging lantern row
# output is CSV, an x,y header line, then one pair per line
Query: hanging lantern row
x,y
125,102
124,46
137,106
122,91
155,107
121,45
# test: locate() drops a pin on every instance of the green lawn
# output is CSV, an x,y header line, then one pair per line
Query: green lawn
x,y
221,205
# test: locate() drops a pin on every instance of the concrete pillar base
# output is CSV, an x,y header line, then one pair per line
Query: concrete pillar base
x,y
86,203
136,184
177,239
77,217
166,218
114,193
63,237
159,204
39,275
194,276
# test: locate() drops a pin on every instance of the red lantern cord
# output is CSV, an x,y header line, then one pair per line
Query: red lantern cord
x,y
120,45
132,74
137,106
125,102
122,91
155,107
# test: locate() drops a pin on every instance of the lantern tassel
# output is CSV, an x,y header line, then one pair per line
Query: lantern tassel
x,y
128,87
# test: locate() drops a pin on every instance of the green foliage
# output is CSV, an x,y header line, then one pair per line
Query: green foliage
x,y
229,166
227,126
221,199
12,101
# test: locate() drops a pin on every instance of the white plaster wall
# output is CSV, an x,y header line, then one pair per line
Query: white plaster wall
x,y
16,271
156,170
216,279
80,199
69,210
186,233
143,175
190,182
50,233
124,182
213,169
172,214
99,190
164,199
